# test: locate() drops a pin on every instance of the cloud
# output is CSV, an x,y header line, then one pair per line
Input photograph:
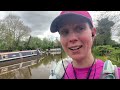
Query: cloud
x,y
38,21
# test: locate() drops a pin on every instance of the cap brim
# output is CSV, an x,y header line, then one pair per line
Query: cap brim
x,y
61,20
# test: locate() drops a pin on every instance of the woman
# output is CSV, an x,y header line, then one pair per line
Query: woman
x,y
77,35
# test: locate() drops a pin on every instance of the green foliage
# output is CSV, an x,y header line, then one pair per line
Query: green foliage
x,y
34,43
101,58
14,34
107,52
43,44
116,46
12,30
104,32
102,50
115,55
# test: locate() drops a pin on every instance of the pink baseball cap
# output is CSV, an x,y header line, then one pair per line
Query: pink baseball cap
x,y
70,17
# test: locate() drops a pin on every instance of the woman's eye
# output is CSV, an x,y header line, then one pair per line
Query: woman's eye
x,y
79,28
64,32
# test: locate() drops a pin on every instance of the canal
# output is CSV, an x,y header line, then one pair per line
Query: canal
x,y
37,71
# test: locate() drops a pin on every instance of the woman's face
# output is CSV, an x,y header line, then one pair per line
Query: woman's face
x,y
77,40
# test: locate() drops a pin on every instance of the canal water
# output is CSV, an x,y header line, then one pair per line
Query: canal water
x,y
37,71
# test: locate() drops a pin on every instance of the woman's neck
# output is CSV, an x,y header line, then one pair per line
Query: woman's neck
x,y
84,63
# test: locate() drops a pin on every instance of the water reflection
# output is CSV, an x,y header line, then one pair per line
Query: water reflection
x,y
37,71
42,69
23,73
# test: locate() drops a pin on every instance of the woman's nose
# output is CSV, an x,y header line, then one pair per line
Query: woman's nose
x,y
73,37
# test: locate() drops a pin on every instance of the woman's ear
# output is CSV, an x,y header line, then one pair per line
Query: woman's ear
x,y
93,32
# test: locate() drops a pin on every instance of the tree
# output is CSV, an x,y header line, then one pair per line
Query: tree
x,y
112,16
104,32
45,43
35,43
12,30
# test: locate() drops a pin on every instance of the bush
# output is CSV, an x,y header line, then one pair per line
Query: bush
x,y
116,45
115,55
104,50
107,52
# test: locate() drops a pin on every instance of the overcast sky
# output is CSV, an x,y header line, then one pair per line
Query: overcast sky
x,y
39,21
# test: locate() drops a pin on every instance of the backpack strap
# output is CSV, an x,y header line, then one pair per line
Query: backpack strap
x,y
110,71
58,71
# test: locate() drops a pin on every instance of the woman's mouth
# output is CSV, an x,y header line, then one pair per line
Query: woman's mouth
x,y
75,47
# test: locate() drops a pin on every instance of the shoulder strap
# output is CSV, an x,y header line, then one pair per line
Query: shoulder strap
x,y
110,71
58,71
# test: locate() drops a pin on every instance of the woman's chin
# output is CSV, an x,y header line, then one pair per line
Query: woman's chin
x,y
77,57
